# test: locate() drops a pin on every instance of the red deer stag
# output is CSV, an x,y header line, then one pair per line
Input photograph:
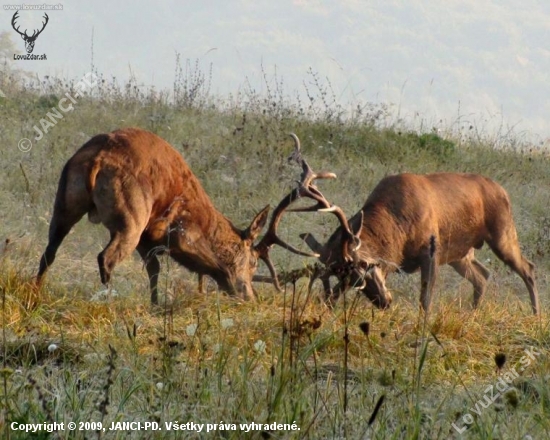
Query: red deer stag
x,y
143,192
417,222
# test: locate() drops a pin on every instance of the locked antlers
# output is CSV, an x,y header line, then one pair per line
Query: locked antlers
x,y
307,189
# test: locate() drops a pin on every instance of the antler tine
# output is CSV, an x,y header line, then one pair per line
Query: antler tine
x,y
297,157
308,175
43,26
15,17
45,23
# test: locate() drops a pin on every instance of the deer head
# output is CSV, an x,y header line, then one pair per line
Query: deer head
x,y
29,40
362,272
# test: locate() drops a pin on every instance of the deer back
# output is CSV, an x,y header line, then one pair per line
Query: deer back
x,y
404,211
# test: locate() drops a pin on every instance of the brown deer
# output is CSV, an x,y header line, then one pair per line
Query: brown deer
x,y
416,222
143,192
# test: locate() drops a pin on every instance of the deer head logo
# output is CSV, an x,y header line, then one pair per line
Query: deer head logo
x,y
29,40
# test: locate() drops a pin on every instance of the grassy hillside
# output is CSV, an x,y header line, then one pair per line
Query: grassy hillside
x,y
287,359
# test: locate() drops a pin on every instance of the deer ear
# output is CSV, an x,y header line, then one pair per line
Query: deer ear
x,y
257,225
356,223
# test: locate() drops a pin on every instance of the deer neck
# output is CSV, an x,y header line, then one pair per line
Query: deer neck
x,y
220,236
224,237
381,237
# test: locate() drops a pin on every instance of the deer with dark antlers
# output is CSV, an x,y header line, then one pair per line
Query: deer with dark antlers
x,y
412,223
29,40
305,189
141,189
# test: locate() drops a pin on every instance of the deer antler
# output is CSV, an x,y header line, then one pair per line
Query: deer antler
x,y
35,33
305,188
43,26
15,17
323,205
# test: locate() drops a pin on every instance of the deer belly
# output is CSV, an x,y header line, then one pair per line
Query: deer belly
x,y
458,252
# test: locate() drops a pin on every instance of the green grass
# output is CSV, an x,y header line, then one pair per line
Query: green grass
x,y
286,358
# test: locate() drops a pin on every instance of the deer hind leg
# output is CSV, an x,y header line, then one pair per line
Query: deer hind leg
x,y
122,244
506,247
124,207
473,271
71,203
61,224
152,266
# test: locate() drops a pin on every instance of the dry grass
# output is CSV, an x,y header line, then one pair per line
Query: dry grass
x,y
200,359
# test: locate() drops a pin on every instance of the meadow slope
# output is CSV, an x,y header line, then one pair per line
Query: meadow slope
x,y
287,358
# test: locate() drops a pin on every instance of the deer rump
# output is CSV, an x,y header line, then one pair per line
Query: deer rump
x,y
419,222
143,192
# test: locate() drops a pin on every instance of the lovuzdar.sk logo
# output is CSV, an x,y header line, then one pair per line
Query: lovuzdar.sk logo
x,y
30,40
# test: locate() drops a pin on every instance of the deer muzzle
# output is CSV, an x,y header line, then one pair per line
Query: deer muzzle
x,y
374,286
